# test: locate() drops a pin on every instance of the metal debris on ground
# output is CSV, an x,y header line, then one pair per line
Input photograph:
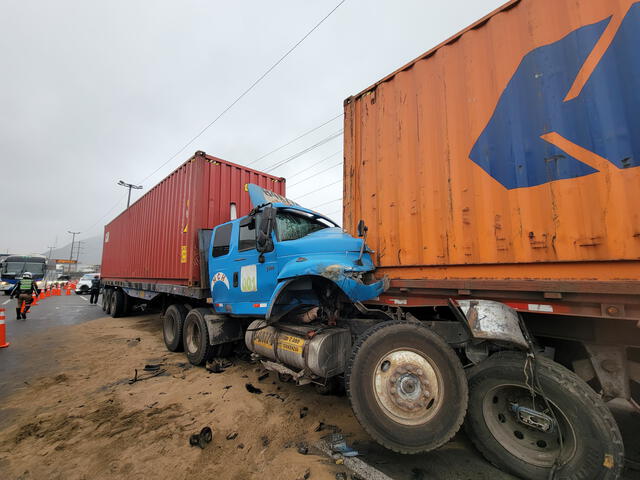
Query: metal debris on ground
x,y
263,376
218,365
338,444
151,373
201,439
303,412
252,389
303,449
341,476
232,436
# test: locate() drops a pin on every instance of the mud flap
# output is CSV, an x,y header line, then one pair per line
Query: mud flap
x,y
223,329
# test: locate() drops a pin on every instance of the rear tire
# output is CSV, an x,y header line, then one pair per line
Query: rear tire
x,y
117,305
107,295
195,339
172,326
407,387
592,445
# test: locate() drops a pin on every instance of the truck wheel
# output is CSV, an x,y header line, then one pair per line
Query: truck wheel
x,y
116,303
591,442
105,301
172,327
196,337
407,387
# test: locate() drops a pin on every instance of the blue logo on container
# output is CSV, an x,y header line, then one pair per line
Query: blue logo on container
x,y
537,112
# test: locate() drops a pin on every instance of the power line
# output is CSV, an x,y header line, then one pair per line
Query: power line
x,y
314,164
107,213
317,173
295,139
306,150
242,95
318,189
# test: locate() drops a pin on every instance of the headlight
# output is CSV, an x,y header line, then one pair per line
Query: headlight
x,y
39,284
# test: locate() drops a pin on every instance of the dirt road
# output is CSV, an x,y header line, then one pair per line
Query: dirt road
x,y
82,419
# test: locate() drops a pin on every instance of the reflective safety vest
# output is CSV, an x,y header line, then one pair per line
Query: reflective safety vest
x,y
26,284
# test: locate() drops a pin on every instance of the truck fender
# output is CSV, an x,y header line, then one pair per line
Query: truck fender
x,y
489,320
223,329
347,277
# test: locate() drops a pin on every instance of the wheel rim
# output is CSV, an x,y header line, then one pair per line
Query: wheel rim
x,y
530,444
193,337
169,326
407,386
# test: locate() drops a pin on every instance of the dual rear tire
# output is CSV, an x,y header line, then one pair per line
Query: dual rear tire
x,y
187,330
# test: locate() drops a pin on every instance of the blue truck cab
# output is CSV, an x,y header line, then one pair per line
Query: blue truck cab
x,y
282,256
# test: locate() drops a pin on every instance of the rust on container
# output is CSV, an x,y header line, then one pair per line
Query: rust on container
x,y
510,151
156,239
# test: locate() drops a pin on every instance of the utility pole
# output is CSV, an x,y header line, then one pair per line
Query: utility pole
x,y
129,186
73,241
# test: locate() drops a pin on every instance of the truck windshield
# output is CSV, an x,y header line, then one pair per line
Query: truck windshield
x,y
292,226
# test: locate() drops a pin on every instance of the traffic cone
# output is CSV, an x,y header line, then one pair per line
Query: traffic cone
x,y
68,291
34,299
22,307
3,334
48,293
41,296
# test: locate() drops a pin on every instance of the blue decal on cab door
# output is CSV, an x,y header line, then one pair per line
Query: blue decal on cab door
x,y
604,118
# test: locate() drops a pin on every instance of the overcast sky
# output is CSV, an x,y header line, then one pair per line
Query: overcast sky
x,y
96,91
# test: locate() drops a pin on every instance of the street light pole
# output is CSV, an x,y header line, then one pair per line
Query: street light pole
x,y
73,240
129,186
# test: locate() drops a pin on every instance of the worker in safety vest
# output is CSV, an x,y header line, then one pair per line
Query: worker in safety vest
x,y
23,290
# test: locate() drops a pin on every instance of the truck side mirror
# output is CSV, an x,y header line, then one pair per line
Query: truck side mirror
x,y
249,221
362,228
263,238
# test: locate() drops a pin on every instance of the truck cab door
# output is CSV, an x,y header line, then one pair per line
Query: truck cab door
x,y
242,283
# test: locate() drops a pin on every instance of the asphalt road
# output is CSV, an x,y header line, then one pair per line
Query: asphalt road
x,y
27,358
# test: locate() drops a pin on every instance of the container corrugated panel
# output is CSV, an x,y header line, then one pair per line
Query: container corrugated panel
x,y
511,150
156,239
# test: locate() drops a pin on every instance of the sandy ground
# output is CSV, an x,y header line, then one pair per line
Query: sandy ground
x,y
85,421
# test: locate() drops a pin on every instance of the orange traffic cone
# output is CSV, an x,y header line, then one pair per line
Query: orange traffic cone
x,y
41,296
68,291
34,299
47,293
3,334
23,306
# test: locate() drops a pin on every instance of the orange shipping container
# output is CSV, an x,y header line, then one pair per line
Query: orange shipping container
x,y
510,151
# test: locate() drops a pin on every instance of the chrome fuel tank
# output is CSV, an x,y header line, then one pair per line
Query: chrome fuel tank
x,y
324,355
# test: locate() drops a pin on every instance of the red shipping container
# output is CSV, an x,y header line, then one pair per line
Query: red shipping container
x,y
156,239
